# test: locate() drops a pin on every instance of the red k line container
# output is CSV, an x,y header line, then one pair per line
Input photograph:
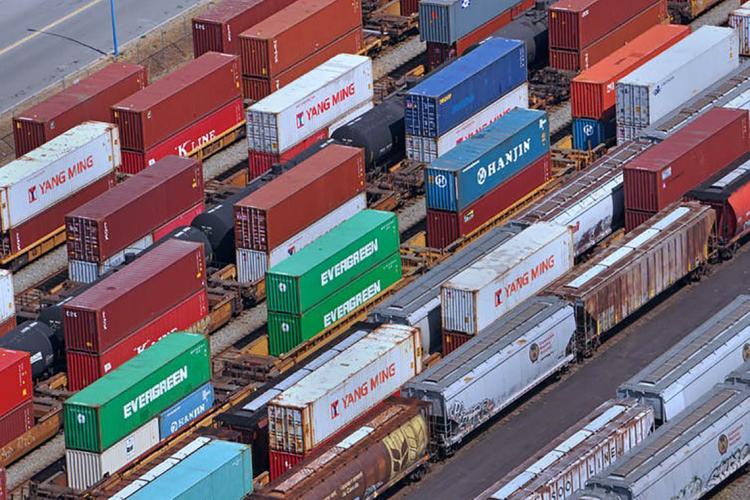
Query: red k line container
x,y
116,306
218,29
255,88
299,197
294,33
575,24
667,171
85,368
89,99
259,162
444,228
179,99
133,209
576,60
15,379
282,461
592,93
17,421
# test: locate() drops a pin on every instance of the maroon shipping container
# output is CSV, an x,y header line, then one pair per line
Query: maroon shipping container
x,y
255,88
282,461
408,7
577,60
575,24
17,421
259,163
113,308
217,29
133,209
299,197
454,340
667,171
294,33
177,100
89,99
634,218
15,379
3,484
444,228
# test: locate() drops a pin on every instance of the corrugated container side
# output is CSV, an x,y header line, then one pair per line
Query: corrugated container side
x,y
259,163
15,422
634,218
447,21
186,411
740,21
7,296
453,340
282,461
588,133
15,378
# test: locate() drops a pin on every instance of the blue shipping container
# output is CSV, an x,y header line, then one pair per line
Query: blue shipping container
x,y
475,167
588,133
187,410
445,21
465,87
219,469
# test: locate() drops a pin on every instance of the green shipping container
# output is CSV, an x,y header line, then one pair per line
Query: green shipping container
x,y
128,397
333,260
287,331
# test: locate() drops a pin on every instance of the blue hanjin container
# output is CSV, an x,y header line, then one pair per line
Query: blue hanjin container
x,y
475,167
185,411
589,133
465,87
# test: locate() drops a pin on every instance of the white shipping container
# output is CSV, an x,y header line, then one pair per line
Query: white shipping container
x,y
88,272
252,264
309,104
85,468
56,170
670,79
740,20
7,296
427,149
507,276
344,388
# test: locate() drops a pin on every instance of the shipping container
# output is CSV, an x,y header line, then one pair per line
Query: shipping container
x,y
309,104
287,331
592,444
739,19
7,325
181,98
428,149
183,413
665,82
447,98
87,99
588,133
104,314
7,300
313,409
15,422
86,468
483,162
15,379
444,228
491,371
446,21
127,398
698,450
259,162
510,274
290,35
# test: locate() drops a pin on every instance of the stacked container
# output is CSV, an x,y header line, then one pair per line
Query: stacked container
x,y
116,419
7,302
195,105
592,93
132,216
739,19
583,32
485,175
16,405
340,272
123,314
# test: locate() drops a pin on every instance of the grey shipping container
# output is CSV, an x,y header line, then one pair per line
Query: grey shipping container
x,y
445,21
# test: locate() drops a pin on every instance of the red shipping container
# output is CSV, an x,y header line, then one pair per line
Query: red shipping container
x,y
15,379
179,99
184,219
89,99
85,368
444,228
7,325
294,33
255,88
575,24
133,209
299,197
634,218
113,308
454,340
217,29
583,59
16,422
408,7
282,461
592,93
259,163
668,170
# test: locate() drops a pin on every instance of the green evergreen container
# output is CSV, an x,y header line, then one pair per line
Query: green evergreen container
x,y
332,261
131,395
287,331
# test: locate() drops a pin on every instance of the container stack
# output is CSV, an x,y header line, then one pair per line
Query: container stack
x,y
307,110
296,208
739,19
196,105
116,419
486,175
161,292
583,32
592,93
340,272
16,405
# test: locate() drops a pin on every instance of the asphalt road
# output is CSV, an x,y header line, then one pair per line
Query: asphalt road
x,y
512,440
31,61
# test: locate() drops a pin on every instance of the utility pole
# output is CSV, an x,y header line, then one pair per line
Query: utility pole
x,y
114,27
